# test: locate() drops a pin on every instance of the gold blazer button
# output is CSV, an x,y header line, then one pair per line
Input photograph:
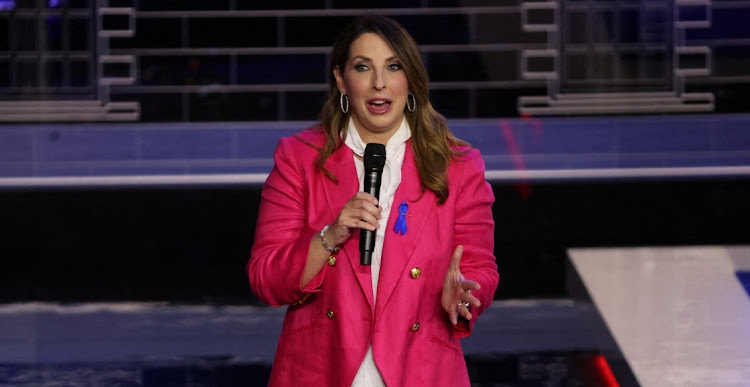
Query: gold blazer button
x,y
416,272
415,327
330,314
331,261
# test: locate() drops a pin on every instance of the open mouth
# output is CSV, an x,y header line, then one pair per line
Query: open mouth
x,y
379,105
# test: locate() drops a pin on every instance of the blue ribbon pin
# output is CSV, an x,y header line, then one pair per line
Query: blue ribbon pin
x,y
400,226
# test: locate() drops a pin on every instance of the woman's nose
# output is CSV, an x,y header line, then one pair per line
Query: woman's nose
x,y
378,82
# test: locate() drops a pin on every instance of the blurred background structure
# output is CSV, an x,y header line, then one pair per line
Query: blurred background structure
x,y
238,60
135,136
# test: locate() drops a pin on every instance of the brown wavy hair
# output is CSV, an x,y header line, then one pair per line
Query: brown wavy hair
x,y
431,140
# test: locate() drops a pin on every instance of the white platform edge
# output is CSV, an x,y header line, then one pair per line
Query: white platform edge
x,y
679,315
260,178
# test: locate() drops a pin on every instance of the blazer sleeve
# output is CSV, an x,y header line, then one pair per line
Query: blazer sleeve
x,y
282,239
474,228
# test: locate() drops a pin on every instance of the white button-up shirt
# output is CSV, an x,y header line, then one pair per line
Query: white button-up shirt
x,y
368,374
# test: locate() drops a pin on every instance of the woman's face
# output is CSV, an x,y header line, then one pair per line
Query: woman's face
x,y
376,86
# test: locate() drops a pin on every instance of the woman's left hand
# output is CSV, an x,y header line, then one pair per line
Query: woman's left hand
x,y
457,290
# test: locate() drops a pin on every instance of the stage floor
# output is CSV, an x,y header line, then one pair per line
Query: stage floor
x,y
666,316
521,342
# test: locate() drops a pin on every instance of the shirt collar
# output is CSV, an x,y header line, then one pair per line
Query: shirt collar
x,y
355,143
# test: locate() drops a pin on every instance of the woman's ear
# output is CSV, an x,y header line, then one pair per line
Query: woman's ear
x,y
339,80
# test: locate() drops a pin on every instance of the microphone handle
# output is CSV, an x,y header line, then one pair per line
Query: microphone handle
x,y
367,237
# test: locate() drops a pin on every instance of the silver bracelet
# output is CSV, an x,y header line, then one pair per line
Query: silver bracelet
x,y
334,249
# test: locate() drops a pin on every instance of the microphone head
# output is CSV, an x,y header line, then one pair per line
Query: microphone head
x,y
374,156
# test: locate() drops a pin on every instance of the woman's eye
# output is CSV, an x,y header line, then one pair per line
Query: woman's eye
x,y
361,67
394,66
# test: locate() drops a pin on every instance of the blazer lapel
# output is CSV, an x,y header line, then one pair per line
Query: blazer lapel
x,y
341,164
398,249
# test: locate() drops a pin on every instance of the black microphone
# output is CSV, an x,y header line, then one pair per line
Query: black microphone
x,y
374,162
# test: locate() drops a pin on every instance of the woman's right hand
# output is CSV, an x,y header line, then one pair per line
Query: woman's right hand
x,y
361,211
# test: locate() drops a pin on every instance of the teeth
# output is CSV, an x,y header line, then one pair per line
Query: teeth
x,y
378,102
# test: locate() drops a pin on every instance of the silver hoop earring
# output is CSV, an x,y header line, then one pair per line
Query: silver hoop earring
x,y
341,103
413,103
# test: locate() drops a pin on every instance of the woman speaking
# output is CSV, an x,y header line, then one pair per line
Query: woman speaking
x,y
398,320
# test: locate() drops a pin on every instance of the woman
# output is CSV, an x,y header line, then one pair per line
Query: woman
x,y
397,322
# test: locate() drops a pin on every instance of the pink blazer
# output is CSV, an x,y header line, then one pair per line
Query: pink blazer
x,y
331,322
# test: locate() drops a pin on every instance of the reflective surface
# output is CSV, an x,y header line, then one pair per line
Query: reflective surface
x,y
679,315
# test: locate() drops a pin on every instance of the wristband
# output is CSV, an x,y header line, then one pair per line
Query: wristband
x,y
328,247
